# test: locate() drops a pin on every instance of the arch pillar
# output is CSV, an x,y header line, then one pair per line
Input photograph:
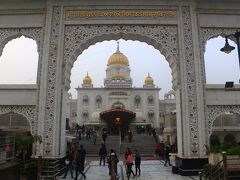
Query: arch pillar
x,y
51,89
189,97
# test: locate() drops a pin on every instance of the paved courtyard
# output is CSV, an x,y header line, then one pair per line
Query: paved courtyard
x,y
150,170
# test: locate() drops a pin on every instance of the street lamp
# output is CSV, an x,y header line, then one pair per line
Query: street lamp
x,y
118,123
228,48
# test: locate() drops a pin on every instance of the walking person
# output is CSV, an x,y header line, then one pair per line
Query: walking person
x,y
125,158
129,165
80,160
166,153
130,135
102,154
112,165
69,164
137,162
94,137
104,136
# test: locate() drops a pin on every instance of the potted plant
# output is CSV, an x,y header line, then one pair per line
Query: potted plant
x,y
215,152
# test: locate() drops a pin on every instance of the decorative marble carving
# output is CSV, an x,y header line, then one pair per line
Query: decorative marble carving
x,y
28,111
7,34
80,37
37,34
206,34
51,87
191,81
214,111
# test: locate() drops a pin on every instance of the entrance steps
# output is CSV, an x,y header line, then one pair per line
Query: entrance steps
x,y
145,145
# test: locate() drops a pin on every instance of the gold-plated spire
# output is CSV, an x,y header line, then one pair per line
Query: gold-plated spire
x,y
87,79
148,80
118,58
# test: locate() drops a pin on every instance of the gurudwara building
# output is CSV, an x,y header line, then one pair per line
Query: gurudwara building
x,y
118,103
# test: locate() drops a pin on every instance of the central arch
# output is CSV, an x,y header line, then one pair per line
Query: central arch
x,y
163,38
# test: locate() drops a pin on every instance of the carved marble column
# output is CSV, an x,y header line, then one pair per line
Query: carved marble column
x,y
51,85
192,112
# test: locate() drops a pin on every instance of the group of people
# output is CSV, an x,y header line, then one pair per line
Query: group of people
x,y
130,161
75,159
89,132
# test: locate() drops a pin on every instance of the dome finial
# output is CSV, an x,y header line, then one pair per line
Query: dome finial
x,y
87,79
118,46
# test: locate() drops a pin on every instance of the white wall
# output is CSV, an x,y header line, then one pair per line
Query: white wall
x,y
219,95
18,95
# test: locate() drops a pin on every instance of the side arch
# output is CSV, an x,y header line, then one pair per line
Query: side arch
x,y
29,112
214,111
163,38
7,35
207,34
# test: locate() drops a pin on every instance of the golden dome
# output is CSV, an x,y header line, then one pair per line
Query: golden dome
x,y
87,80
149,80
118,59
118,76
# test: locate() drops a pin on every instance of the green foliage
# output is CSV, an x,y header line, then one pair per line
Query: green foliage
x,y
230,149
24,142
234,150
215,149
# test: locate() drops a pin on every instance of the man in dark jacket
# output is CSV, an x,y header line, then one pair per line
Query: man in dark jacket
x,y
167,159
137,162
69,165
102,154
80,160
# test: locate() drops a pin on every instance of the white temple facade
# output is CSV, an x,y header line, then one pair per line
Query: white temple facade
x,y
99,106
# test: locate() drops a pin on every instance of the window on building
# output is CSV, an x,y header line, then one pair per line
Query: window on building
x,y
150,100
137,100
85,114
150,114
85,99
98,100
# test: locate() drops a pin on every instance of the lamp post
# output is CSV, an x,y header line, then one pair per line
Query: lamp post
x,y
118,123
228,48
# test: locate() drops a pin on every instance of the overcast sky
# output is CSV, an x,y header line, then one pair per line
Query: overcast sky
x,y
18,63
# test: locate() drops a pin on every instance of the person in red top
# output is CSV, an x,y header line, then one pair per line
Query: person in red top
x,y
129,163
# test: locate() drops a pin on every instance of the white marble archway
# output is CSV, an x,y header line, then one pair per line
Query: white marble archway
x,y
78,38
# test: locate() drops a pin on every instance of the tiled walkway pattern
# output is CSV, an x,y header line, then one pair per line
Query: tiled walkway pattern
x,y
150,170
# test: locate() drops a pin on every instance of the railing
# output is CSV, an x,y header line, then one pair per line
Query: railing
x,y
51,168
28,169
226,169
